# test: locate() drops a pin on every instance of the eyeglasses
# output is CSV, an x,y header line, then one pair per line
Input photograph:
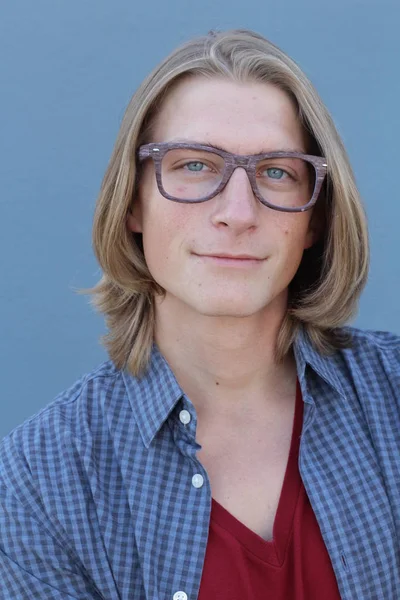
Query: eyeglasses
x,y
192,173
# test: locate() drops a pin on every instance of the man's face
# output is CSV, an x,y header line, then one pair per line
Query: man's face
x,y
180,240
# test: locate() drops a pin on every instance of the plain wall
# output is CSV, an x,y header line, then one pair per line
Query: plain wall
x,y
67,71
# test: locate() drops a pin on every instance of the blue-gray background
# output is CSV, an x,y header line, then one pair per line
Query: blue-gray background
x,y
67,71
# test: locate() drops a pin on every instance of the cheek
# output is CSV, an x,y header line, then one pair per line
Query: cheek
x,y
167,227
295,228
291,237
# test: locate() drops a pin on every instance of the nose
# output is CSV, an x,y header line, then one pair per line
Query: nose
x,y
236,206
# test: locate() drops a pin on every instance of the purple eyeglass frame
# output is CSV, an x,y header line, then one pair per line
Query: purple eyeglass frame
x,y
231,162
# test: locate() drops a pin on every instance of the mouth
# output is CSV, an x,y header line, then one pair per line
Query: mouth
x,y
238,260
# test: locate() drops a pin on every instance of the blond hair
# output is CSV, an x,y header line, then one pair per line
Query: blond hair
x,y
325,291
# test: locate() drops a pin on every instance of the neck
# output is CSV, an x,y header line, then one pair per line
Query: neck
x,y
223,363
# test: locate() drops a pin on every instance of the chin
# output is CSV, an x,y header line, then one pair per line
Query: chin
x,y
228,308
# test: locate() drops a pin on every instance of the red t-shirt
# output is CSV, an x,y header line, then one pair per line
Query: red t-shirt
x,y
295,565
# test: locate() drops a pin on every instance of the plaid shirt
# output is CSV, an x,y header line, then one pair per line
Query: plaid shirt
x,y
100,494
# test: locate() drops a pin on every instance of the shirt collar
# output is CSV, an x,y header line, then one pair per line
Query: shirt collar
x,y
326,366
152,396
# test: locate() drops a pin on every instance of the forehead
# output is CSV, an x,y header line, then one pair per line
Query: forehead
x,y
245,118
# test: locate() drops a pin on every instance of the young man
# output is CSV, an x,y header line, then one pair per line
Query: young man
x,y
240,443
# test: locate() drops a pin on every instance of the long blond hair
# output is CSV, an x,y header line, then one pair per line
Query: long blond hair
x,y
325,291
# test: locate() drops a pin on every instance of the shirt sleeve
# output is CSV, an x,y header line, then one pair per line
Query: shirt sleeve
x,y
35,562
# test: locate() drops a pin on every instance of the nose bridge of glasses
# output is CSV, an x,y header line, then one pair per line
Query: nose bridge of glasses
x,y
243,161
235,161
239,162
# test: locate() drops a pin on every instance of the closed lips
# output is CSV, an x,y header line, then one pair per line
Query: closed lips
x,y
231,256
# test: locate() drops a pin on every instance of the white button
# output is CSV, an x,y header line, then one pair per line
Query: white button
x,y
197,480
184,417
180,596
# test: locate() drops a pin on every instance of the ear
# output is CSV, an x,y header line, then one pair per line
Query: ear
x,y
134,217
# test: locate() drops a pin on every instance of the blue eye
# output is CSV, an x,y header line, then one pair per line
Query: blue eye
x,y
275,173
195,166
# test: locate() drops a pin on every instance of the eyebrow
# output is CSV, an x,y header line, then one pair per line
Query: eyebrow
x,y
218,147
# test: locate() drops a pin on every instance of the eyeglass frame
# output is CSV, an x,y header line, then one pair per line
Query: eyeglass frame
x,y
232,162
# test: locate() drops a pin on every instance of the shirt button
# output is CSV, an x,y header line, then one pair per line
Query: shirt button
x,y
184,417
179,596
197,480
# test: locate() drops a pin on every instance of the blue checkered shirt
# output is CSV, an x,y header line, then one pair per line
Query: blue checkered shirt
x,y
98,500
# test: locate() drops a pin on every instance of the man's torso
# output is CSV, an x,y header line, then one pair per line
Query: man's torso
x,y
97,493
